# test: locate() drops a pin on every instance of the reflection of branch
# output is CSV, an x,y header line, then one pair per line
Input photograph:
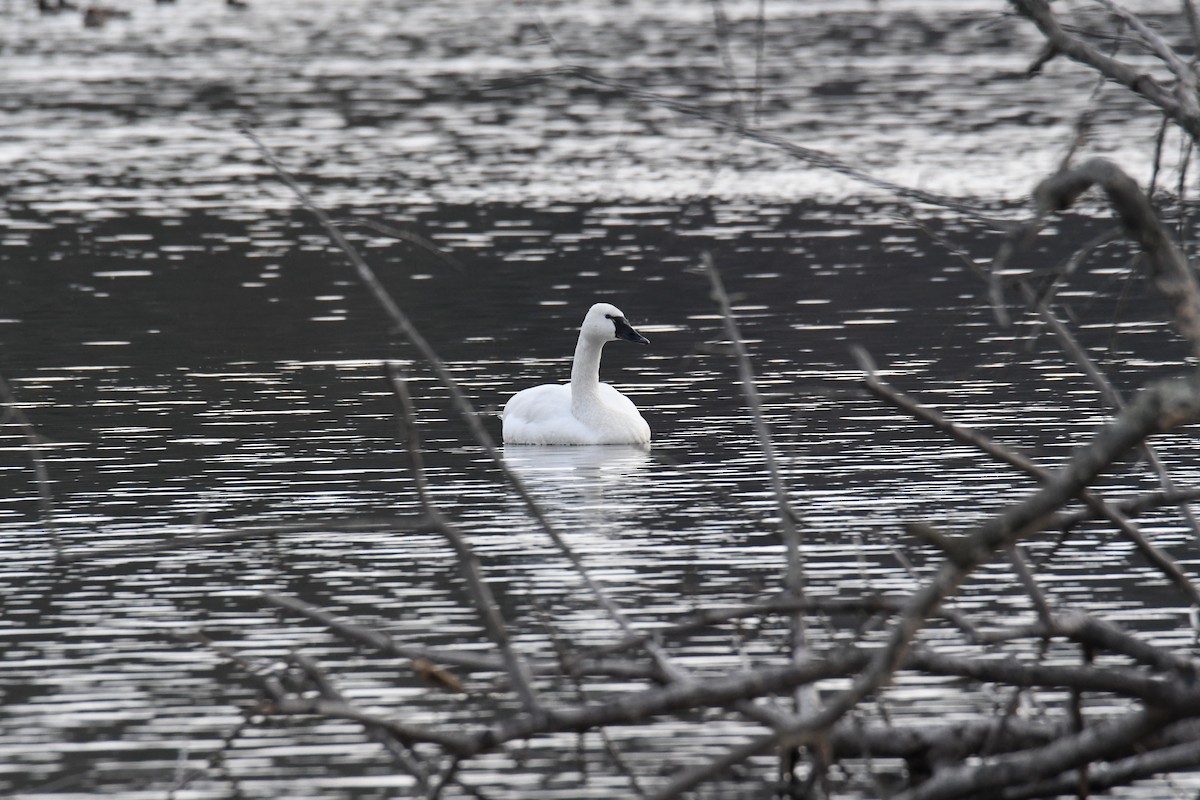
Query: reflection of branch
x,y
33,445
97,552
404,235
811,156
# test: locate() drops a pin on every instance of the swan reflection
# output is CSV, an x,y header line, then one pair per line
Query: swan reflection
x,y
583,479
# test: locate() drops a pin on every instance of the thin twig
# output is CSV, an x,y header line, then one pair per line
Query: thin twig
x,y
468,563
469,660
788,519
1163,562
721,27
405,235
610,748
1183,110
1071,346
400,751
794,579
1184,75
760,47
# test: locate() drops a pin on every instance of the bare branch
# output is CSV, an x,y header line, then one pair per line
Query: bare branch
x,y
468,563
1101,509
1165,263
385,736
1103,740
470,660
1186,114
1184,75
404,235
403,732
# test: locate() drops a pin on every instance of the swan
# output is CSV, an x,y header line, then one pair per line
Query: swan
x,y
586,411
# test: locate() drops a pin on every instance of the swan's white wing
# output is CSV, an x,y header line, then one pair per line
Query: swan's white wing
x,y
548,400
616,400
636,429
542,415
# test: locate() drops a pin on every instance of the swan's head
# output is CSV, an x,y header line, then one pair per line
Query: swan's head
x,y
606,323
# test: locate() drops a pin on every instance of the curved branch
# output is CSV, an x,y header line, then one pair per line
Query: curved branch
x,y
1165,262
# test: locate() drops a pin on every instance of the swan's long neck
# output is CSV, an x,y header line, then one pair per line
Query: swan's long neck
x,y
585,374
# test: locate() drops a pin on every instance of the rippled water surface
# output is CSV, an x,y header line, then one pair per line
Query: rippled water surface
x,y
197,355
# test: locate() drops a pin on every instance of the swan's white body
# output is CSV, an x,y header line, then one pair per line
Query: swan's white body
x,y
586,411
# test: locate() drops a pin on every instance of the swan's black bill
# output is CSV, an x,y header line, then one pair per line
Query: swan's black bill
x,y
626,331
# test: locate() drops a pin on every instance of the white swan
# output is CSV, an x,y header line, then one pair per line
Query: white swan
x,y
587,411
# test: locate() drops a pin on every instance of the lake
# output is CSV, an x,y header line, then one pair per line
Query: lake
x,y
196,354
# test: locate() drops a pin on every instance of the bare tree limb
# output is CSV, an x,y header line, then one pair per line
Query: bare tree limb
x,y
470,660
1088,629
1185,89
455,743
1186,115
1084,361
1099,741
385,736
793,579
1102,510
1103,775
1166,265
404,235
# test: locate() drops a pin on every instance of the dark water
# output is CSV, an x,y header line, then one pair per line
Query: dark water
x,y
196,354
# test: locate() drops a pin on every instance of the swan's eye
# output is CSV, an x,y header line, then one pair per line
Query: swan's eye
x,y
608,316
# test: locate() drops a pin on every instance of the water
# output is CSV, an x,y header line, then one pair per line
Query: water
x,y
196,354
